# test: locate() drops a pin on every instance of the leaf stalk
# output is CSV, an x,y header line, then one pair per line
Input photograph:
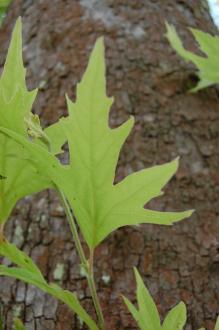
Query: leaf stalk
x,y
88,265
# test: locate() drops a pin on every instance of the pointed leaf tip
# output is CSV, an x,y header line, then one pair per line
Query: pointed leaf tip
x,y
176,162
18,21
187,214
136,272
169,29
176,317
98,48
167,26
17,31
99,43
190,212
100,40
13,74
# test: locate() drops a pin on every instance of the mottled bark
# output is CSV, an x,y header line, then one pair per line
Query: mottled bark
x,y
150,81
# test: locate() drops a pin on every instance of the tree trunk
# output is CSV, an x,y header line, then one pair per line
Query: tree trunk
x,y
151,82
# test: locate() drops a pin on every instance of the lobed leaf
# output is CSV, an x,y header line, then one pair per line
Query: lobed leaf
x,y
207,65
29,273
100,205
146,315
18,176
147,308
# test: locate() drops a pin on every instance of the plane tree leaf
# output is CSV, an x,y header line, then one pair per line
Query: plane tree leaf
x,y
207,64
100,205
146,314
18,177
146,304
28,272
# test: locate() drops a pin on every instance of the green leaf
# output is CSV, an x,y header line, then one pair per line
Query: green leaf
x,y
100,205
28,272
54,290
56,137
3,8
133,311
5,3
18,257
18,325
20,177
146,315
176,318
207,65
147,308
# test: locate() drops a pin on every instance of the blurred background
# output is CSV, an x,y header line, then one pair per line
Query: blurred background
x,y
151,82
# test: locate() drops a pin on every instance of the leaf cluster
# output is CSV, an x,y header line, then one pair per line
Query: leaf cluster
x,y
147,316
100,206
29,163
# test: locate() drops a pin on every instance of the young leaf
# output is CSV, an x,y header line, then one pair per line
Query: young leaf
x,y
18,325
207,65
176,318
18,177
146,305
28,272
147,316
100,205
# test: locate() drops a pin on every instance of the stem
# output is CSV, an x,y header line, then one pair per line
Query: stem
x,y
88,266
73,228
93,290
